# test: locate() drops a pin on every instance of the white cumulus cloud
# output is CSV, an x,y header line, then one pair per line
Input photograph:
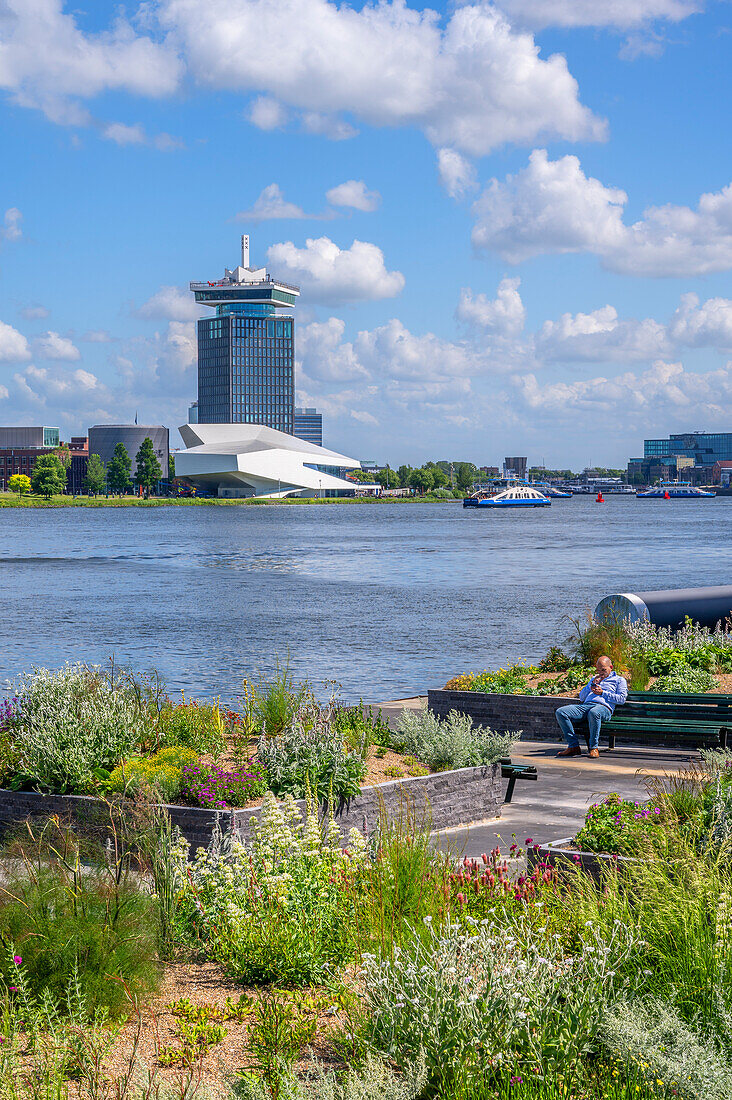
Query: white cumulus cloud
x,y
54,346
472,83
701,325
553,207
267,114
457,174
171,303
600,336
48,62
272,204
13,345
331,274
502,316
355,194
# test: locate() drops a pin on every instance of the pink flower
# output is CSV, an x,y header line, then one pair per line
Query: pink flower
x,y
17,960
13,988
529,840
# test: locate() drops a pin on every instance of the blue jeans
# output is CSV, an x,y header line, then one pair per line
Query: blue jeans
x,y
595,714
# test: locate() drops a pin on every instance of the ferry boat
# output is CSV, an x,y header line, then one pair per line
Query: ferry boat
x,y
550,490
520,496
673,490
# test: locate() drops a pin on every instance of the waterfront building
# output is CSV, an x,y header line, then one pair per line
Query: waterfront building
x,y
103,438
309,426
193,412
248,460
20,447
246,351
688,455
514,467
30,438
79,447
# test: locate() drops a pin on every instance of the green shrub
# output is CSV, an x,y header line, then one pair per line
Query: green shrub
x,y
201,727
360,728
161,774
451,742
619,827
555,660
280,909
311,760
72,726
685,678
88,928
275,703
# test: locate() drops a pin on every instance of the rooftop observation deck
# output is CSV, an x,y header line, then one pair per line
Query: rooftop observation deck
x,y
231,284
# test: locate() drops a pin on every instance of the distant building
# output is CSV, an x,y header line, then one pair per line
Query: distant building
x,y
21,446
722,472
309,426
246,352
30,438
489,471
689,456
514,467
103,438
79,447
193,412
235,460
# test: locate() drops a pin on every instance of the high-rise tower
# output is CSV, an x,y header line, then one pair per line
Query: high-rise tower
x,y
246,352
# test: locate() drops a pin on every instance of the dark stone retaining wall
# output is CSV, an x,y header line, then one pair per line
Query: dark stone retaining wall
x,y
532,714
556,854
455,798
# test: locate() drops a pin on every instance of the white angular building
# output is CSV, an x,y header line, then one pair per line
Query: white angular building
x,y
251,460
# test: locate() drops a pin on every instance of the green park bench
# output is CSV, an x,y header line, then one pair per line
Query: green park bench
x,y
512,772
701,721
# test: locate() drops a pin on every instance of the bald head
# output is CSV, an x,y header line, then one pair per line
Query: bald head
x,y
604,666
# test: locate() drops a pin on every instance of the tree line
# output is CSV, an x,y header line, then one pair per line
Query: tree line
x,y
458,476
49,476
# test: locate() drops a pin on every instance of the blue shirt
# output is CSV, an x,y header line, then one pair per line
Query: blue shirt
x,y
614,691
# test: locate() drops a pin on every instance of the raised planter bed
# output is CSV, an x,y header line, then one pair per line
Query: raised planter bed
x,y
533,715
454,797
559,853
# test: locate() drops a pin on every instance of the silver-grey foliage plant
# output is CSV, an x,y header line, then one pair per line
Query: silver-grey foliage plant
x,y
450,742
651,1033
72,722
456,996
374,1079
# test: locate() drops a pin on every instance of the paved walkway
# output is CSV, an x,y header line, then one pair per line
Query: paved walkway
x,y
554,806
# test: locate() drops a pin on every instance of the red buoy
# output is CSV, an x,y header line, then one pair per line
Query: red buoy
x,y
600,499
667,495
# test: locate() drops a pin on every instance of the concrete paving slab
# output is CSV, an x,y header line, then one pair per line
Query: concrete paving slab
x,y
555,805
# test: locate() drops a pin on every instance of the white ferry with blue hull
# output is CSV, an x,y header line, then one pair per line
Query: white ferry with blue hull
x,y
674,490
519,496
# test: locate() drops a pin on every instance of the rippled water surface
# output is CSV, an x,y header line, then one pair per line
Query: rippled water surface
x,y
388,599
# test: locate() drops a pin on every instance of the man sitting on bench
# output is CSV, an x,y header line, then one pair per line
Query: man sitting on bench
x,y
597,702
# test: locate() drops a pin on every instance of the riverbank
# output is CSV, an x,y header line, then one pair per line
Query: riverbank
x,y
11,500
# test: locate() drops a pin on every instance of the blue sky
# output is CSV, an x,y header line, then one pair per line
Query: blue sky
x,y
525,250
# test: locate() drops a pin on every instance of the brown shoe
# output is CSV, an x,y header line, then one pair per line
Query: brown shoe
x,y
571,750
594,753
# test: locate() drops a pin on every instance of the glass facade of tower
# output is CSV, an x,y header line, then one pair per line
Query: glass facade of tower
x,y
705,448
246,369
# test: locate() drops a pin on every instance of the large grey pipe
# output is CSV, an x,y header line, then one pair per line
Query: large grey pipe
x,y
706,606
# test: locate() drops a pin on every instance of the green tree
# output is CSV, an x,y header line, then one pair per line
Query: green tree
x,y
96,475
171,467
63,454
388,478
403,474
465,474
149,471
363,476
19,483
49,476
118,470
422,480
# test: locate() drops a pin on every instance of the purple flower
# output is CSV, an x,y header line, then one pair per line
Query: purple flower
x,y
17,959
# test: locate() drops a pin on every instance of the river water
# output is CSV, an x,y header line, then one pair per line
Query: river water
x,y
386,598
